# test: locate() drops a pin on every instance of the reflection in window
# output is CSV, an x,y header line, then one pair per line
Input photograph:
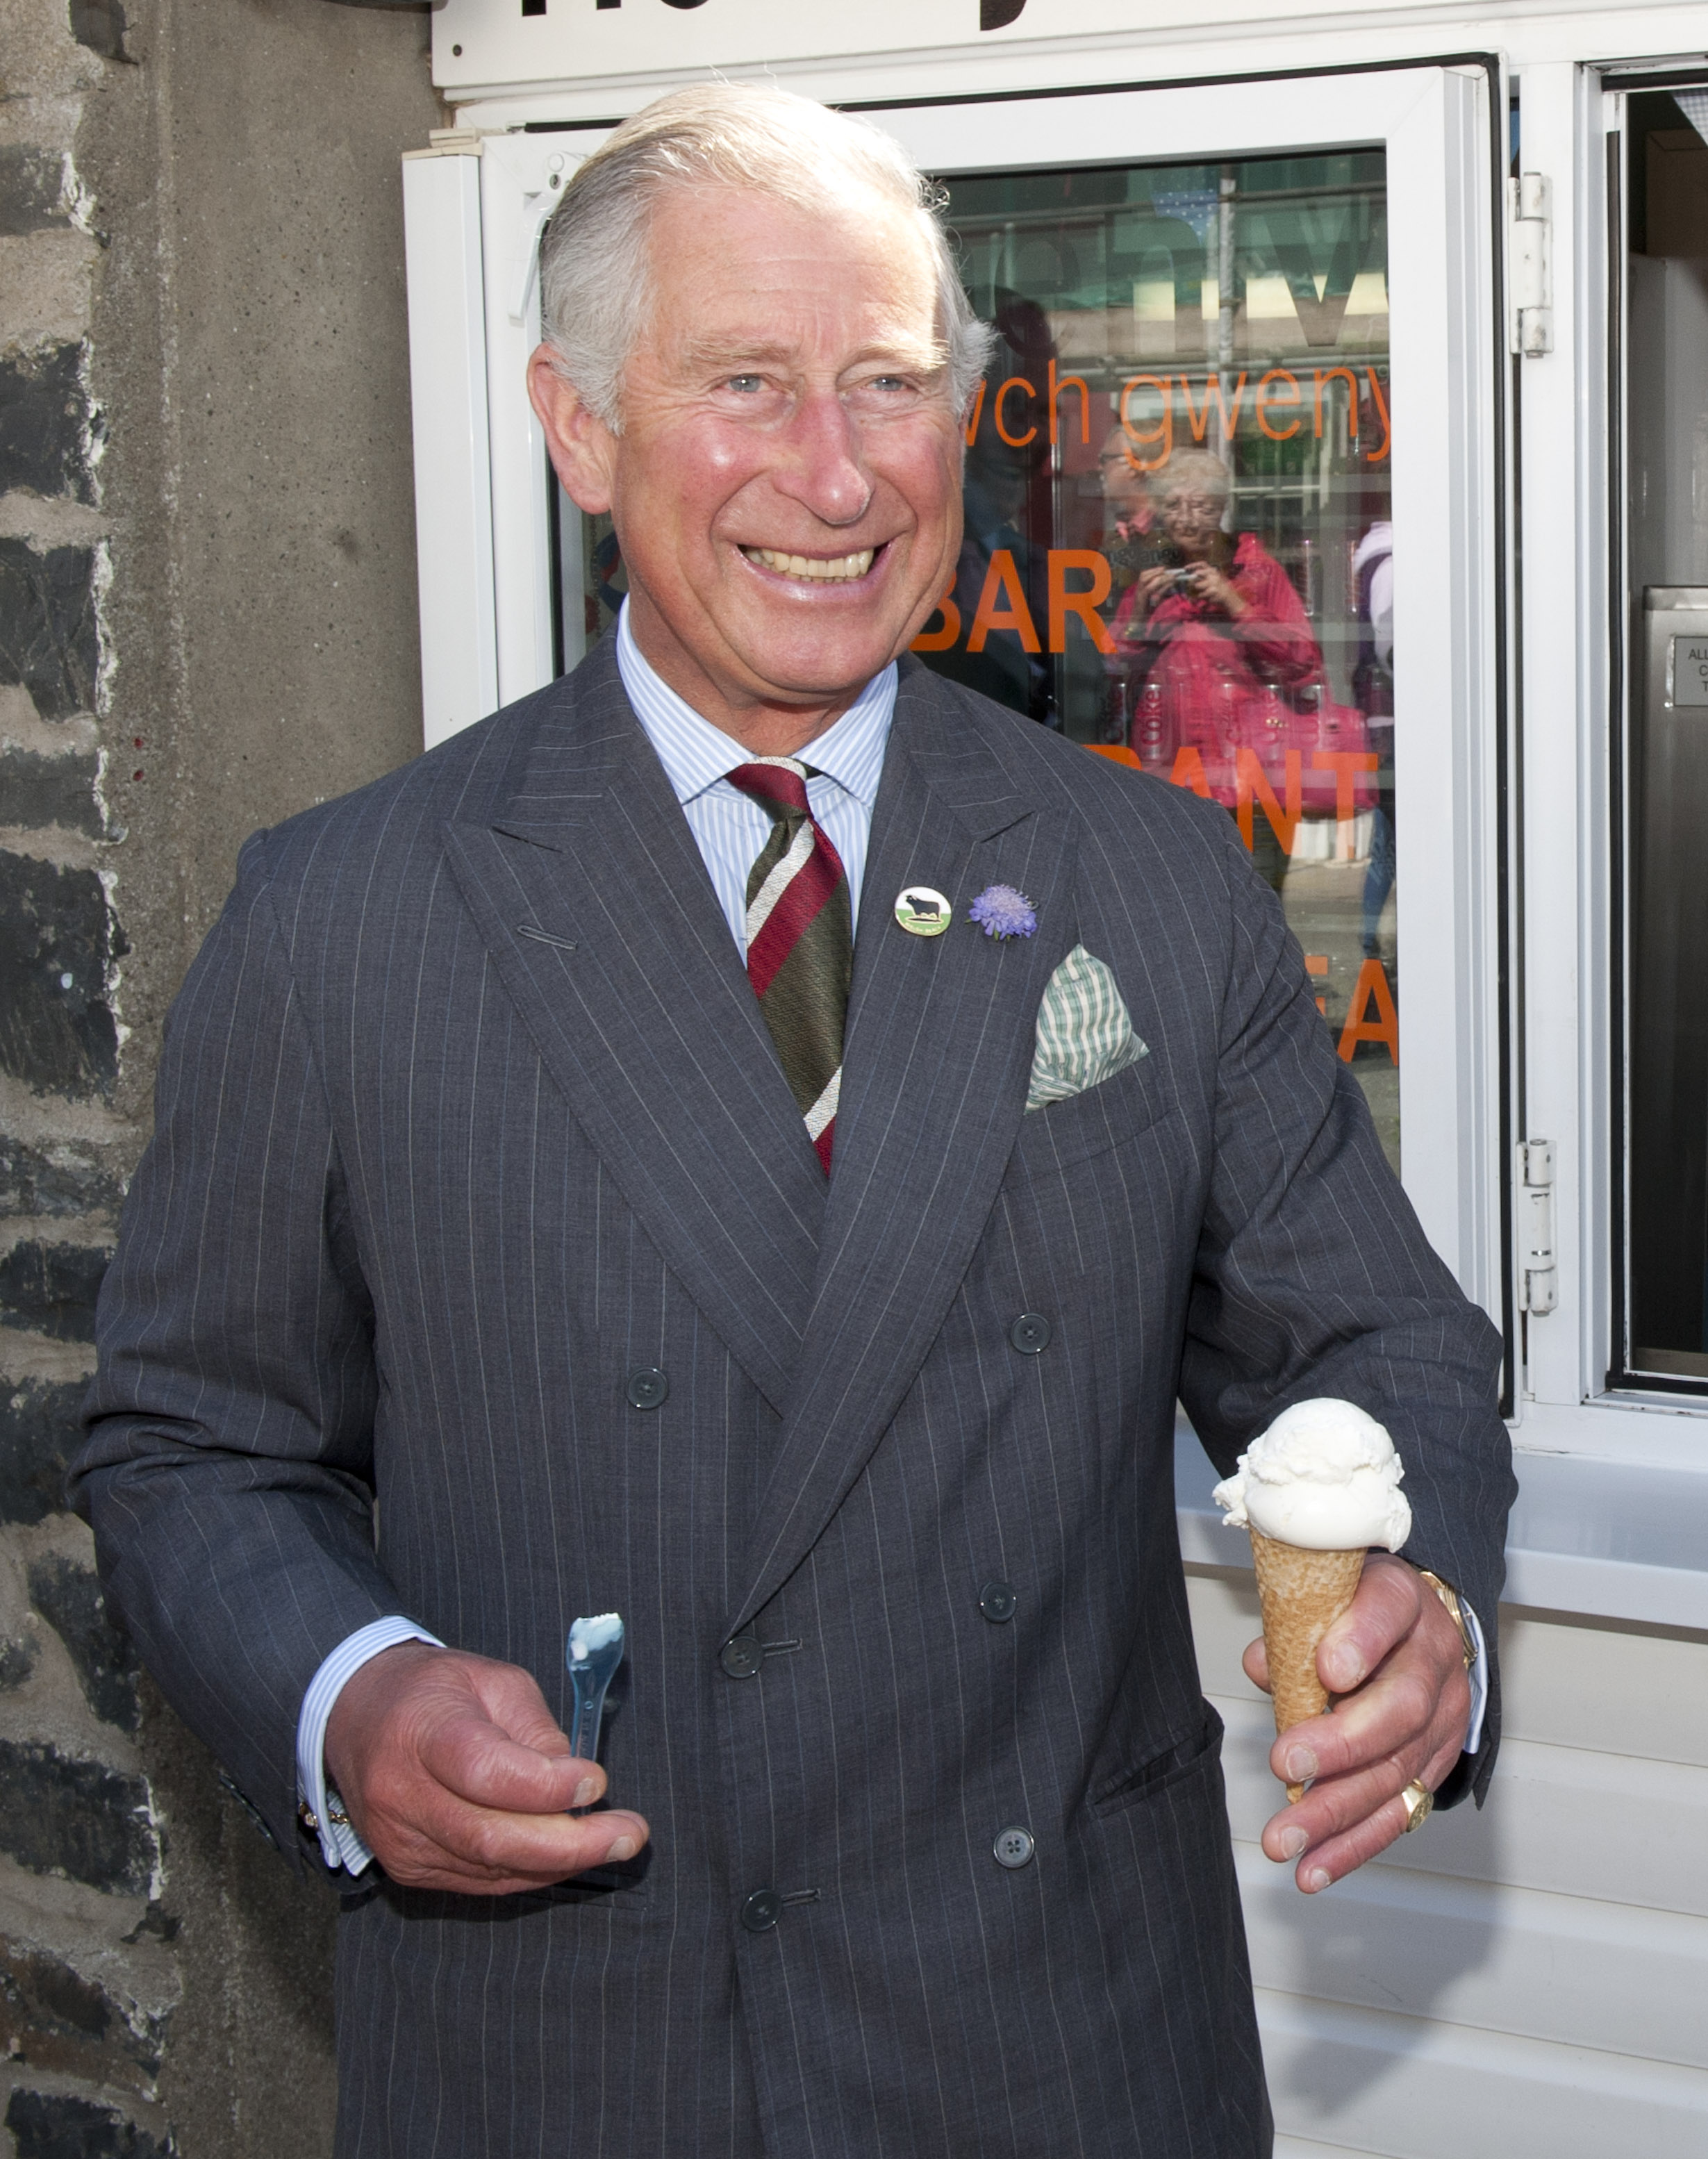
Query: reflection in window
x,y
1666,401
1178,546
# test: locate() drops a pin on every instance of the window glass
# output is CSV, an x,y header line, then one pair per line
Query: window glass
x,y
1666,403
1178,546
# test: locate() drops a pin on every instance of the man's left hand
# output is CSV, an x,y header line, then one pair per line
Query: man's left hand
x,y
1395,1658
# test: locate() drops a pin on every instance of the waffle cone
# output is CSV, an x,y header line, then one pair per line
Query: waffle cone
x,y
1303,1594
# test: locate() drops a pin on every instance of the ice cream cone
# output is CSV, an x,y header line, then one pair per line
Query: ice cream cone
x,y
1302,1593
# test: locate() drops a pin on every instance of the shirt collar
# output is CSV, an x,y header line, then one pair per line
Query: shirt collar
x,y
696,755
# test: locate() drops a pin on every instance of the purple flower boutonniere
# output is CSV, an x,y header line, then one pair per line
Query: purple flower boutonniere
x,y
999,911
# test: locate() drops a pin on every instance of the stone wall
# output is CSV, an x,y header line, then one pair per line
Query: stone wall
x,y
207,620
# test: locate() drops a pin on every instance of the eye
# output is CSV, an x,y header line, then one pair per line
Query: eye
x,y
747,384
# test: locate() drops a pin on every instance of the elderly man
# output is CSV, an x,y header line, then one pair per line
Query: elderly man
x,y
755,1138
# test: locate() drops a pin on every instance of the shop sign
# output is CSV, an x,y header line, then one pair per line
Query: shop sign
x,y
489,44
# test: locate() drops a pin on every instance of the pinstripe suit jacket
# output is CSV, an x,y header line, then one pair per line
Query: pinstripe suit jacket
x,y
467,1112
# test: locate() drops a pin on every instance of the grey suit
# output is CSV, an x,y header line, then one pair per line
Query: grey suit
x,y
467,1114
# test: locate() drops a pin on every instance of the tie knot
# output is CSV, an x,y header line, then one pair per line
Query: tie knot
x,y
777,783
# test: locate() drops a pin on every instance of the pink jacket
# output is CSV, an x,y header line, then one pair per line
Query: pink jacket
x,y
1195,677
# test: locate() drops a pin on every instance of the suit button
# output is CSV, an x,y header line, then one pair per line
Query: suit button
x,y
1013,1847
650,1388
998,1601
1030,1333
761,1911
741,1656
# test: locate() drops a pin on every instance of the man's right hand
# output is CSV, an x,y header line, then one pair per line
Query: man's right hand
x,y
455,1777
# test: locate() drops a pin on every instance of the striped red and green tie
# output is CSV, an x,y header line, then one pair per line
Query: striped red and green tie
x,y
800,941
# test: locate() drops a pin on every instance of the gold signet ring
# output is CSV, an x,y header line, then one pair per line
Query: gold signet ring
x,y
1419,1802
921,912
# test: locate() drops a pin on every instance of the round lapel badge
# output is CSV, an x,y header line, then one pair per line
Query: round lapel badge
x,y
921,912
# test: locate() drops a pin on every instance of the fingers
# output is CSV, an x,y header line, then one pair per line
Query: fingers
x,y
456,1777
1374,1823
434,1841
1404,1721
1382,1612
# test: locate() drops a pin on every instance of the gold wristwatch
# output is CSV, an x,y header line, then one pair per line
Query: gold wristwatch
x,y
1455,1612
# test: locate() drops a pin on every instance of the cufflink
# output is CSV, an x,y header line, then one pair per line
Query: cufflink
x,y
334,1813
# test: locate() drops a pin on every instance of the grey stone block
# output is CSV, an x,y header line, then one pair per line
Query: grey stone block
x,y
57,938
56,2126
61,1815
41,1428
48,637
43,416
67,1178
54,2018
32,189
68,1597
37,791
51,1289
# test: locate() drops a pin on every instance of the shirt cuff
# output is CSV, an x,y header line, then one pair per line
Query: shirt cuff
x,y
1479,1677
319,1807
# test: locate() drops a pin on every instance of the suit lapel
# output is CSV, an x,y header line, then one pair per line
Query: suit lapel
x,y
591,896
939,1042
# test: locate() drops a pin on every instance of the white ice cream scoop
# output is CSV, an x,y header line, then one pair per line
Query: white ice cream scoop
x,y
1324,1477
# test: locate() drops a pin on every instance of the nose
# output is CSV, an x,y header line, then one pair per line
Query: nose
x,y
825,471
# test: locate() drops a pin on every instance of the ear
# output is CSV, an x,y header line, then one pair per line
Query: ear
x,y
582,448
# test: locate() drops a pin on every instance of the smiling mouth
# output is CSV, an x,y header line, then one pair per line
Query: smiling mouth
x,y
837,569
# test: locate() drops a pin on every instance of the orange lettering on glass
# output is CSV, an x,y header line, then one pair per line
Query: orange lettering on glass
x,y
997,412
940,641
1371,988
1346,765
1213,390
1380,402
1163,432
1085,604
1288,394
1003,580
1324,377
1069,382
1250,784
1190,770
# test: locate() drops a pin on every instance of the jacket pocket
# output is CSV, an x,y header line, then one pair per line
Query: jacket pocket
x,y
1063,1133
1171,1765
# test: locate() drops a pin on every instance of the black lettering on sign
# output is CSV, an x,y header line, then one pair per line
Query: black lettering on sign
x,y
997,14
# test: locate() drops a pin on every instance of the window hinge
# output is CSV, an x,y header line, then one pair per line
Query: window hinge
x,y
1539,1273
1530,273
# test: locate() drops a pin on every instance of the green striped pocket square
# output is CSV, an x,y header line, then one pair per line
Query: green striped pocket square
x,y
1085,1033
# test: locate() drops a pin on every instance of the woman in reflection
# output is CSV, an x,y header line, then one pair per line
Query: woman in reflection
x,y
1212,649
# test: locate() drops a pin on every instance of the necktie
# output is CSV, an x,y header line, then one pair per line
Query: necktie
x,y
800,941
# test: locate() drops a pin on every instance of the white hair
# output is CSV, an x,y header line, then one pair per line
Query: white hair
x,y
1200,468
595,287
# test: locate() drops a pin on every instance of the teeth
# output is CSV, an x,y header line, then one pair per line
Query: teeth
x,y
804,566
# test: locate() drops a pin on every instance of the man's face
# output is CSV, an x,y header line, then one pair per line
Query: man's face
x,y
786,489
1124,494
